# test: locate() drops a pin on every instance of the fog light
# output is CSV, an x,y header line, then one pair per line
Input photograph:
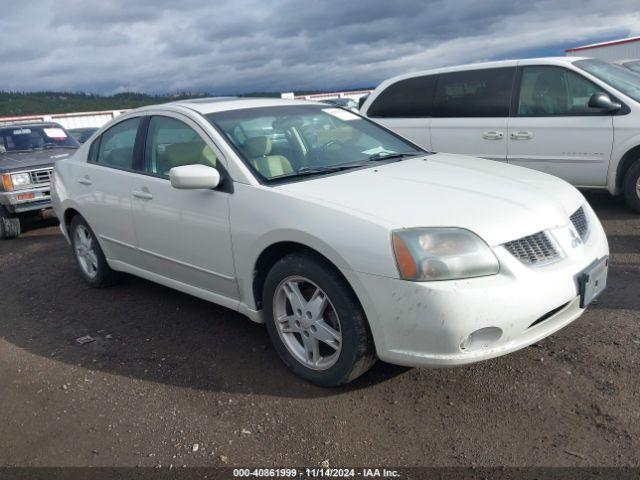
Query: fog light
x,y
465,343
480,339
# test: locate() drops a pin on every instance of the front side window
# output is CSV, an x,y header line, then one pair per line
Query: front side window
x,y
172,143
555,91
409,98
290,141
474,93
117,144
620,78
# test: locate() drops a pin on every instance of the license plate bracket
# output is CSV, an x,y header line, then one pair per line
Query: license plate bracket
x,y
592,281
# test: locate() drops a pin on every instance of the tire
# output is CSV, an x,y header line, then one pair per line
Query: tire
x,y
9,226
631,186
335,362
89,256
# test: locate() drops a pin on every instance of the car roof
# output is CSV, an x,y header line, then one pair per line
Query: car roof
x,y
221,104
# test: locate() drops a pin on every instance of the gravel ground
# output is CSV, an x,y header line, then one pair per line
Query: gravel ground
x,y
173,380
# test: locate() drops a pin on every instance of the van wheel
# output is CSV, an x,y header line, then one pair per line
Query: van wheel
x,y
315,321
9,226
89,256
631,186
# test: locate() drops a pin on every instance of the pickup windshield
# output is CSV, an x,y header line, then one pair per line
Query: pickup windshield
x,y
618,77
20,138
281,143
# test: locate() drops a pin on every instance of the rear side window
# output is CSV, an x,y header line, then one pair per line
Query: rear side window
x,y
412,97
117,143
474,93
554,91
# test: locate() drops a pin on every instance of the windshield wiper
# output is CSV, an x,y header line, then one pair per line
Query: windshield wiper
x,y
376,157
306,171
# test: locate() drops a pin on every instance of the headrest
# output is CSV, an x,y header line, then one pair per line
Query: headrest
x,y
257,147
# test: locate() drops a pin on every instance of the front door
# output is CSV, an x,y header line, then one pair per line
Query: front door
x,y
555,131
183,235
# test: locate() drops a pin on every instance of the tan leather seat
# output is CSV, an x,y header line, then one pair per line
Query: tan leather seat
x,y
257,150
179,154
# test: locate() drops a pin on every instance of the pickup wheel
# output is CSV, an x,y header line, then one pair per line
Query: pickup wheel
x,y
89,256
315,321
9,226
631,186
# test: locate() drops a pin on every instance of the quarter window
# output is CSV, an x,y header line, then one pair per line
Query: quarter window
x,y
412,97
474,93
555,91
172,143
117,144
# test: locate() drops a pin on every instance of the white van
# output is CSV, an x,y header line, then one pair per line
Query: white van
x,y
575,118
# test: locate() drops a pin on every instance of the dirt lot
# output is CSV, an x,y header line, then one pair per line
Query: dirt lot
x,y
168,371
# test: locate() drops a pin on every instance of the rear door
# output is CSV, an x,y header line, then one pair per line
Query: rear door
x,y
552,128
470,112
405,108
103,184
183,235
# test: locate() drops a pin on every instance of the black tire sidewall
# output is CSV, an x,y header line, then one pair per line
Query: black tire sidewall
x,y
9,225
357,351
104,274
629,186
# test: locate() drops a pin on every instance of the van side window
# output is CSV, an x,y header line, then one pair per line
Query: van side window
x,y
412,97
116,145
555,91
474,93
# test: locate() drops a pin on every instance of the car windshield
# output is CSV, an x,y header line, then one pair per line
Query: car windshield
x,y
290,141
618,77
18,138
633,66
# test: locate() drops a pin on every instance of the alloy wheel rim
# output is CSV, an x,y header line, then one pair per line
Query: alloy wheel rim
x,y
307,323
85,251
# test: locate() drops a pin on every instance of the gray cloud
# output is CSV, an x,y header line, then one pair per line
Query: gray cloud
x,y
252,45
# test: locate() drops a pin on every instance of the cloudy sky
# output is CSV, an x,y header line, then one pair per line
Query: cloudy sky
x,y
236,46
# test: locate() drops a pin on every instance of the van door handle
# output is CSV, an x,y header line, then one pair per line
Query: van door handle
x,y
85,181
521,135
142,194
493,135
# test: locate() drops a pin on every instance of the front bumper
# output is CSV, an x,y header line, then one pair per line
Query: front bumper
x,y
26,200
429,323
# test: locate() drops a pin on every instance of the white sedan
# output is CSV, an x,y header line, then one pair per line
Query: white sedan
x,y
348,241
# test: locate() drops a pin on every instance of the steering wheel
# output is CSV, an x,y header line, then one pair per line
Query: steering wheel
x,y
330,143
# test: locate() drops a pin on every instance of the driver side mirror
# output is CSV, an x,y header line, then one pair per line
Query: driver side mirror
x,y
603,102
194,177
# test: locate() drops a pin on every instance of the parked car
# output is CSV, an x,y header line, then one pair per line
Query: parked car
x,y
348,103
575,118
27,154
350,242
82,134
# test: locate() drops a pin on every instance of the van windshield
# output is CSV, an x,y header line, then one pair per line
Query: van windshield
x,y
618,77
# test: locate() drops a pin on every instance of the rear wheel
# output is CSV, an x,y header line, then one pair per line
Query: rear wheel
x,y
89,256
9,226
315,321
631,186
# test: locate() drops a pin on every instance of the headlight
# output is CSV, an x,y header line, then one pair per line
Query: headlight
x,y
20,180
424,254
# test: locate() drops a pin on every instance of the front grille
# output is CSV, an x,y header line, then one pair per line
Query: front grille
x,y
579,220
41,176
535,249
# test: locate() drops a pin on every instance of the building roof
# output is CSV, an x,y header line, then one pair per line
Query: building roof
x,y
604,44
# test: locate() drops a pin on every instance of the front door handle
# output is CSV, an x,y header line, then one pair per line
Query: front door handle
x,y
493,135
144,195
85,181
521,135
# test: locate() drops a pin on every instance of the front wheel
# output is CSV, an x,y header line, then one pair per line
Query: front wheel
x,y
9,226
631,186
89,256
315,322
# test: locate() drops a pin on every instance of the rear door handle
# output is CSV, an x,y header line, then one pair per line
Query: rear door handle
x,y
142,194
493,135
521,135
85,181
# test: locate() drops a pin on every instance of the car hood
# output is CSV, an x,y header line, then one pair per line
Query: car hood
x,y
497,201
14,161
